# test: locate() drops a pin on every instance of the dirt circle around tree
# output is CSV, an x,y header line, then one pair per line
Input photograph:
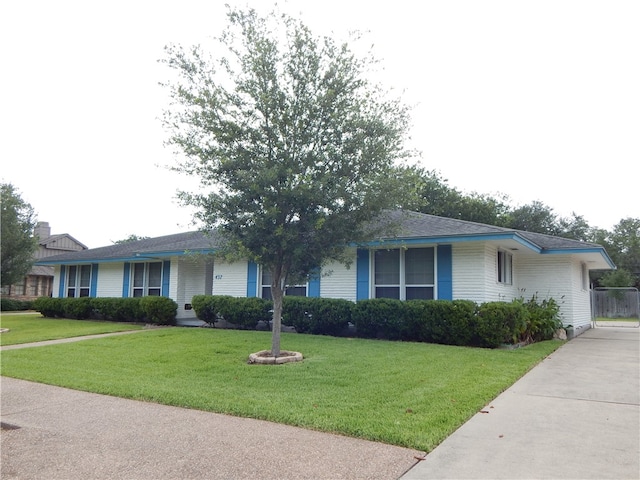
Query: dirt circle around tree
x,y
264,357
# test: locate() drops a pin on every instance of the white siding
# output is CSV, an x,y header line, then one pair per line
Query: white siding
x,y
56,281
469,271
230,279
338,281
110,276
581,299
557,277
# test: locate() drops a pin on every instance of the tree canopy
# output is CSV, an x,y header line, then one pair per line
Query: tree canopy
x,y
18,242
296,150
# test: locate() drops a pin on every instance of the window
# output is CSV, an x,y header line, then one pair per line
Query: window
x,y
147,279
292,291
78,281
505,269
404,274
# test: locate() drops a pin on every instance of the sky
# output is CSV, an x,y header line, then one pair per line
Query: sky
x,y
537,100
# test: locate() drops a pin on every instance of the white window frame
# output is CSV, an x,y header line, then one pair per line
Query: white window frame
x,y
145,289
504,267
74,282
402,285
289,288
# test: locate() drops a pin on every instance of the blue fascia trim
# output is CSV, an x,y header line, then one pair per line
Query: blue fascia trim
x,y
137,257
601,251
396,242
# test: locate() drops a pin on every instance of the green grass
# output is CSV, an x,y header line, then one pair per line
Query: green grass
x,y
407,394
27,327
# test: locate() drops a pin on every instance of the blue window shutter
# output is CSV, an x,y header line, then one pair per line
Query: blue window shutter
x,y
362,274
93,288
166,271
314,284
125,279
445,273
63,271
252,279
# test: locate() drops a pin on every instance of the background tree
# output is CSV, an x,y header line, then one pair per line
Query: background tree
x,y
624,244
294,147
129,239
18,242
534,217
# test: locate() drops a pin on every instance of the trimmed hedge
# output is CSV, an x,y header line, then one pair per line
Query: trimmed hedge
x,y
450,322
499,323
317,316
13,305
241,312
158,310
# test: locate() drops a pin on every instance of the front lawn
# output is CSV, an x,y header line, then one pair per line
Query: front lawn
x,y
407,394
32,327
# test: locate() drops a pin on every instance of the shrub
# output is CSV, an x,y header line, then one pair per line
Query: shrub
x,y
49,307
317,316
245,312
14,305
543,320
379,318
498,323
117,309
159,310
450,322
77,308
205,308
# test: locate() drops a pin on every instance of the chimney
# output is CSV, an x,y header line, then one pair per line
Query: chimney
x,y
42,230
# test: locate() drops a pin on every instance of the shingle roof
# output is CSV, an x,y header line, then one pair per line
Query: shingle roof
x,y
422,225
159,246
413,226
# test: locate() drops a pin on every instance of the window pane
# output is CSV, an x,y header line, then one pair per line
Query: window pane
x,y
266,293
419,293
155,274
387,267
85,275
296,291
419,266
266,278
137,292
72,276
138,275
71,292
154,292
388,292
84,292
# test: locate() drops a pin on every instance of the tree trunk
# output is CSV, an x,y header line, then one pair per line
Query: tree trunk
x,y
277,293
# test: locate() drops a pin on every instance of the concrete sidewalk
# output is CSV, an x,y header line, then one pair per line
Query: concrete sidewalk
x,y
574,416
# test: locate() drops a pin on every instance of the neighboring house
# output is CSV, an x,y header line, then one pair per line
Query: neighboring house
x,y
430,257
39,281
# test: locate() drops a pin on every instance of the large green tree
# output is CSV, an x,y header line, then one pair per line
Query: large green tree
x,y
296,150
18,242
